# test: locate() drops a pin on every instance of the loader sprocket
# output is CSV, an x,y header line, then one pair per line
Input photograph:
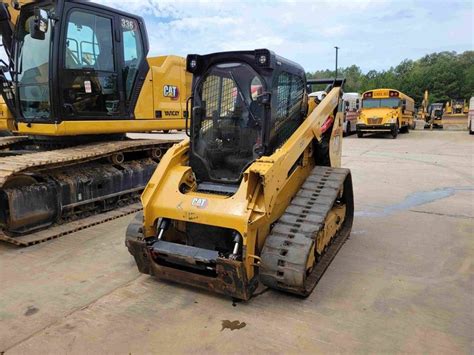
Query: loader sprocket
x,y
290,261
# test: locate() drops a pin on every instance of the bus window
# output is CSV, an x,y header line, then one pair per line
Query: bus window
x,y
375,103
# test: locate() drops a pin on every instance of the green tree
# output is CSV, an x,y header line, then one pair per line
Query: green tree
x,y
447,75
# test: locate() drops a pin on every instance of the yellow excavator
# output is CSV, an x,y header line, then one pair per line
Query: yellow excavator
x,y
256,194
76,81
423,109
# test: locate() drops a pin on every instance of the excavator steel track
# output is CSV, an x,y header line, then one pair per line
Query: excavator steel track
x,y
80,155
292,239
5,142
72,156
71,227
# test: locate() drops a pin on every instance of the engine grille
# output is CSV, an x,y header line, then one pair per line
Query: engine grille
x,y
375,120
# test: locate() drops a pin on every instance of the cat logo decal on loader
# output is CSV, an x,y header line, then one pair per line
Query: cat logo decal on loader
x,y
199,202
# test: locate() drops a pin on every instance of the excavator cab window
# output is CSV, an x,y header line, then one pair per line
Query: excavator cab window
x,y
90,85
73,60
33,69
227,122
132,52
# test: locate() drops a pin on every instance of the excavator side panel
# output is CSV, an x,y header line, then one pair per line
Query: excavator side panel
x,y
6,117
75,128
167,86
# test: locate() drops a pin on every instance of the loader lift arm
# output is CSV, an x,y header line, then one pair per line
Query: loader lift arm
x,y
256,195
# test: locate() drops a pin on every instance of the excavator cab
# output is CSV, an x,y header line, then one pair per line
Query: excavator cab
x,y
243,107
75,59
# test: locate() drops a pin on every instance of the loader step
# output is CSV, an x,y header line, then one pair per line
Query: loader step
x,y
287,249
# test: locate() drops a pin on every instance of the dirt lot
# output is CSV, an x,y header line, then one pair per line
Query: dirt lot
x,y
402,283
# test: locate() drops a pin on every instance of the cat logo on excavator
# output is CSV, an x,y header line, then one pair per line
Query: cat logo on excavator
x,y
170,91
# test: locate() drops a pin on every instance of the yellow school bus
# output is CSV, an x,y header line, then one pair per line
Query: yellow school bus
x,y
385,110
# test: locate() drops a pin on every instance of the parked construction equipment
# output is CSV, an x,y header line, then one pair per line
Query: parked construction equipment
x,y
435,114
455,115
256,194
77,80
422,113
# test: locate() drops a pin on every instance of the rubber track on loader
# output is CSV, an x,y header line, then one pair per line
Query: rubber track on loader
x,y
72,156
286,249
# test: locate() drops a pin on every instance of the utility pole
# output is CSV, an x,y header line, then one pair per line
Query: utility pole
x,y
337,49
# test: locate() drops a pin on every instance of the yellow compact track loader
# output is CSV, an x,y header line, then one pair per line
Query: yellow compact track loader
x,y
257,193
77,80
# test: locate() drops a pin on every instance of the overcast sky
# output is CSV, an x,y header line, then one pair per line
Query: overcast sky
x,y
373,34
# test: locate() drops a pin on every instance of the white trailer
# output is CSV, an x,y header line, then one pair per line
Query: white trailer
x,y
351,111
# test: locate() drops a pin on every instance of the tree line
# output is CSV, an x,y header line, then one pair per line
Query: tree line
x,y
447,75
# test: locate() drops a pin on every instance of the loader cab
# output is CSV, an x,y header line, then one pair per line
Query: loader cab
x,y
76,60
458,106
436,110
245,104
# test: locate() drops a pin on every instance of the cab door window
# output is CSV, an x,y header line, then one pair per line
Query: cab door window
x,y
90,84
32,76
132,46
287,114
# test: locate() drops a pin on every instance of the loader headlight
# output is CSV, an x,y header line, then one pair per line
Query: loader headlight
x,y
393,120
192,63
262,57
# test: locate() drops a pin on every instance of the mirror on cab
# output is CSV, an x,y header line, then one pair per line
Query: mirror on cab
x,y
39,25
264,98
404,104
